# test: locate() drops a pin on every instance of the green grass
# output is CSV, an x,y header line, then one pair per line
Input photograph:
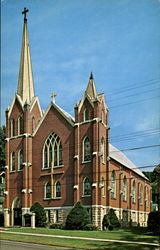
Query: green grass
x,y
127,235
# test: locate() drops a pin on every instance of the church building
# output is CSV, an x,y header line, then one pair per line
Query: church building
x,y
57,160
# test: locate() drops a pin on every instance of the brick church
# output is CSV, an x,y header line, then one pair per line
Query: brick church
x,y
56,159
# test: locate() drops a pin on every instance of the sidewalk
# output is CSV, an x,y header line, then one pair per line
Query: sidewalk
x,y
81,238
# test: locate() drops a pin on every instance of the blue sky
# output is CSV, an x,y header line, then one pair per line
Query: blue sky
x,y
118,40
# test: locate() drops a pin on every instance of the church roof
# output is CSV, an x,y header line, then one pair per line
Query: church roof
x,y
25,80
120,157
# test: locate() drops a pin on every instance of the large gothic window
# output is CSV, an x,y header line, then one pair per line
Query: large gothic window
x,y
52,152
86,187
124,188
86,115
133,192
20,160
12,162
113,185
57,189
86,149
47,190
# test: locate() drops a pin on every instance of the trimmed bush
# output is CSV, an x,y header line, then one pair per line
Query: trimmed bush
x,y
77,218
90,227
40,215
105,222
56,226
110,220
154,222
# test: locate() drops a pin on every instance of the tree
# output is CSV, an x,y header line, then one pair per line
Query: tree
x,y
154,222
2,147
40,215
152,177
110,220
78,217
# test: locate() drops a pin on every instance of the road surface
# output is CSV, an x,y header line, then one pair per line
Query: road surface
x,y
15,245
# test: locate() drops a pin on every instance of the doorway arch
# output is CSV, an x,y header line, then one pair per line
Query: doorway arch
x,y
16,212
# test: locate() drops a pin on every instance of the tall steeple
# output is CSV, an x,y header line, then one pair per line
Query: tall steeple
x,y
25,79
91,89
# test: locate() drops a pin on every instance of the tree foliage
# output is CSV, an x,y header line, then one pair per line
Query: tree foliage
x,y
2,147
78,218
40,215
154,222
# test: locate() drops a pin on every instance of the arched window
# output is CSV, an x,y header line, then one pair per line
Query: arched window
x,y
124,188
52,152
20,160
20,125
86,149
140,194
12,162
103,116
86,187
57,189
86,115
133,192
113,185
12,127
147,196
47,190
102,149
33,124
103,187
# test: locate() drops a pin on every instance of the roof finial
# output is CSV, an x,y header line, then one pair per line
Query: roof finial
x,y
91,76
24,13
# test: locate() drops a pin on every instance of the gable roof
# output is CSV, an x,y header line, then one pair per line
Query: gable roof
x,y
120,157
66,116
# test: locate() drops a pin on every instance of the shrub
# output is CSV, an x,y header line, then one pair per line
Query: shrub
x,y
110,227
40,215
154,222
27,220
1,219
77,218
56,226
105,222
90,227
110,220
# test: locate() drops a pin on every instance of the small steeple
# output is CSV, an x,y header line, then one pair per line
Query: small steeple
x,y
25,79
91,89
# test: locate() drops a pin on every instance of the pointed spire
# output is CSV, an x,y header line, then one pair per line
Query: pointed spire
x,y
91,88
25,79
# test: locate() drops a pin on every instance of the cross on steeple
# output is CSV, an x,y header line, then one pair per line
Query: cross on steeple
x,y
24,13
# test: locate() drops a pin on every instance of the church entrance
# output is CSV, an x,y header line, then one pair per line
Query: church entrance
x,y
16,212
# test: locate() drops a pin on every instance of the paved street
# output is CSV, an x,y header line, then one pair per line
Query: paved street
x,y
14,245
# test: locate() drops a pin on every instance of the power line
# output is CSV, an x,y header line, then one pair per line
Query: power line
x,y
135,94
134,86
126,104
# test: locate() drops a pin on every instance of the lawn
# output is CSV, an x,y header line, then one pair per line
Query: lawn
x,y
126,235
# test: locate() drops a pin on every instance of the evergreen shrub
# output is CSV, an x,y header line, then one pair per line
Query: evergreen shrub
x,y
90,227
40,215
77,218
110,220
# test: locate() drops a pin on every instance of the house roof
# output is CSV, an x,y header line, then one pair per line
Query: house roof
x,y
120,157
